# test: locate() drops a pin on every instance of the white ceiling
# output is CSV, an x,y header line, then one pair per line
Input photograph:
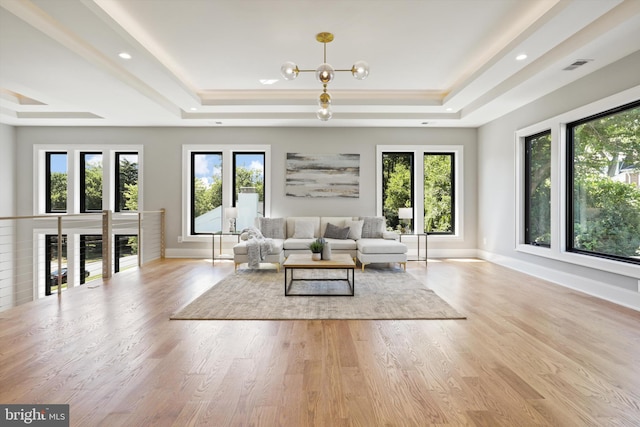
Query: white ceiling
x,y
199,62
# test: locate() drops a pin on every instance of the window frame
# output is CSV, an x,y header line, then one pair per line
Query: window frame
x,y
73,151
83,181
227,150
48,204
412,155
418,192
453,192
192,219
557,124
526,185
570,181
117,194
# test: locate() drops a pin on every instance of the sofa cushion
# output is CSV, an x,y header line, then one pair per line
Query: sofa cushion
x,y
277,245
355,229
342,244
381,246
373,227
303,229
298,244
272,228
334,232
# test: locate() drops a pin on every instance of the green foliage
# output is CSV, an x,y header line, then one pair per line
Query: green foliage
x,y
58,191
539,155
316,246
607,211
437,193
608,218
93,187
397,183
128,180
246,177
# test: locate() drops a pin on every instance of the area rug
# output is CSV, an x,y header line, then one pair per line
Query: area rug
x,y
259,295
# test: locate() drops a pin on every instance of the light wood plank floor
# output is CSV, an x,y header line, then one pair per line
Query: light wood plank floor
x,y
530,353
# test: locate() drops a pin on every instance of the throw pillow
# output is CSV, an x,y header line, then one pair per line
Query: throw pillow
x,y
355,229
372,227
303,230
335,232
272,227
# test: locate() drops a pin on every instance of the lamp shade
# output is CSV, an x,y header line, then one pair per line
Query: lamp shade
x,y
405,213
231,212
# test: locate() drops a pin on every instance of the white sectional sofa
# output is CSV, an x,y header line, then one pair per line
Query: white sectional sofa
x,y
365,240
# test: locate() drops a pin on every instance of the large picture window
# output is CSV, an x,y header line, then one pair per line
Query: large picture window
x,y
603,193
537,189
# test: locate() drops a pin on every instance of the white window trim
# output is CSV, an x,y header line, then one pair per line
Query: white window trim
x,y
73,175
418,152
558,249
227,151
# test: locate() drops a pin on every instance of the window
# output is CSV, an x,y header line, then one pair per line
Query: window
x,y
603,192
218,178
537,189
126,187
397,188
439,195
56,182
431,191
51,264
126,252
206,196
90,257
248,188
91,182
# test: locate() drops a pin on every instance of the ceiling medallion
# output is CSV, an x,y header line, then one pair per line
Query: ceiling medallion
x,y
325,74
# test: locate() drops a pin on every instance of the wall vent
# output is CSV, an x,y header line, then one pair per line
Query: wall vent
x,y
576,64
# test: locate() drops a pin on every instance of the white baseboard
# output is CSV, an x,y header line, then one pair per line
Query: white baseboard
x,y
624,297
187,253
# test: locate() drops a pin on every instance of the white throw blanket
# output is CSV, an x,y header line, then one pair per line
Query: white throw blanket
x,y
258,246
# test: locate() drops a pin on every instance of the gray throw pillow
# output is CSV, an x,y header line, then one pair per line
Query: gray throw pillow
x,y
272,227
373,227
335,232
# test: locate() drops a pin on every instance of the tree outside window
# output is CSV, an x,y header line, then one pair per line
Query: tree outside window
x,y
604,184
56,182
397,186
538,189
438,193
91,182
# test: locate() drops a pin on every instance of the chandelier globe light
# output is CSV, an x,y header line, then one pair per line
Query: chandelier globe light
x,y
325,74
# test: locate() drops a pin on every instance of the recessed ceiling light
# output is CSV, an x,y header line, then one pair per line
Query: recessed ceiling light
x,y
124,55
449,109
193,109
268,81
521,57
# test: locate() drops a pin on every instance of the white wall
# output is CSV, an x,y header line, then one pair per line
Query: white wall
x,y
162,168
7,209
497,192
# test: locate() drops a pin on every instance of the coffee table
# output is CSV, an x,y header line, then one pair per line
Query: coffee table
x,y
304,262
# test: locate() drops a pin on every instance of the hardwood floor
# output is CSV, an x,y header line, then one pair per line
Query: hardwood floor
x,y
530,353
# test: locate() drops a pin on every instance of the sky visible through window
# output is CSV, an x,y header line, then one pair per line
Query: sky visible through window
x,y
208,166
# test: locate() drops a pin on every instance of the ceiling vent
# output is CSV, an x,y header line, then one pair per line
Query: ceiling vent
x,y
578,63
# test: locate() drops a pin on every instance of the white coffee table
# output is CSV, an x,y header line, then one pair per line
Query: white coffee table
x,y
304,262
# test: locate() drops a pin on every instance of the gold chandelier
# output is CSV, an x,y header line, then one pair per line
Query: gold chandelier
x,y
325,74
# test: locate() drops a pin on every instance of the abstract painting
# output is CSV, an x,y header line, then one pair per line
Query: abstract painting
x,y
323,175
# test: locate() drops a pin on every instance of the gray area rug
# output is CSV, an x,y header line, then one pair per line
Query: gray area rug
x,y
259,295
